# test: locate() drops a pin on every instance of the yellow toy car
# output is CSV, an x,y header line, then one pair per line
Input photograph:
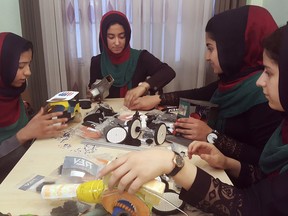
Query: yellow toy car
x,y
65,102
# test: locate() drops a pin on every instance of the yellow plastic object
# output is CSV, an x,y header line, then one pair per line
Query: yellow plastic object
x,y
149,191
70,108
96,192
90,191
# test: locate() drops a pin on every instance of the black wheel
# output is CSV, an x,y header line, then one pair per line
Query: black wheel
x,y
160,133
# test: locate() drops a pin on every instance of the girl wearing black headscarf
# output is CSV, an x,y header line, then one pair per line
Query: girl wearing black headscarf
x,y
16,131
266,192
135,72
245,120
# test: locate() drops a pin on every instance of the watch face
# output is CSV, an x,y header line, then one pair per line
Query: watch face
x,y
212,137
179,161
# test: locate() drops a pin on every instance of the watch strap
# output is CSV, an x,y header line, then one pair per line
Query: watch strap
x,y
176,168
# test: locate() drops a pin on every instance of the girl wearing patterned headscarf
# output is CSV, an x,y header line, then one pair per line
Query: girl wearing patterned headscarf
x,y
135,72
16,131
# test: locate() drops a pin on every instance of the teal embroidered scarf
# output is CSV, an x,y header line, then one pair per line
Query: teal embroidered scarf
x,y
237,100
122,73
275,154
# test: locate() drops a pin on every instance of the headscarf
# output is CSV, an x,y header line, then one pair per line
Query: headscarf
x,y
12,115
238,34
274,157
121,66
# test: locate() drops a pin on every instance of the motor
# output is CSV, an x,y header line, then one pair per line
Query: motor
x,y
100,89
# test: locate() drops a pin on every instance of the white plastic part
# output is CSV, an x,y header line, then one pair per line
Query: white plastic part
x,y
135,129
59,191
116,135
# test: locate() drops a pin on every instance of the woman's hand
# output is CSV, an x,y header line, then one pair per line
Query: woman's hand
x,y
209,153
145,103
135,93
42,125
214,157
88,93
192,128
134,169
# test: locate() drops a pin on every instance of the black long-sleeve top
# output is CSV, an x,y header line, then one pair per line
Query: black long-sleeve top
x,y
244,135
149,69
268,196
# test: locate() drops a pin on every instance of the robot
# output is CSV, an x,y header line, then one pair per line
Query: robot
x,y
100,89
66,102
115,130
131,130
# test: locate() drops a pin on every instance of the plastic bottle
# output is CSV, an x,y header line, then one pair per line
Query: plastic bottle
x,y
89,192
59,191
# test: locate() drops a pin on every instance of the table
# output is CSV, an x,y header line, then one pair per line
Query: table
x,y
45,156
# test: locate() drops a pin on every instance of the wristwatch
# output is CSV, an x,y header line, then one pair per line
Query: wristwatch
x,y
178,160
212,137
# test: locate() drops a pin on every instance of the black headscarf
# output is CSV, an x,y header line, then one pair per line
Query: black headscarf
x,y
108,19
11,47
274,156
238,34
12,111
283,70
120,66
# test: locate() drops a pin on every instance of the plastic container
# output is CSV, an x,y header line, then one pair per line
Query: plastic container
x,y
59,191
89,192
92,191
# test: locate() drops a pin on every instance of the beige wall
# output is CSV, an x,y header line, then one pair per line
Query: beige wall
x,y
10,22
278,9
10,17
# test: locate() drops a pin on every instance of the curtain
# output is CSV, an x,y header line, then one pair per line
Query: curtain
x,y
31,30
65,37
223,5
173,31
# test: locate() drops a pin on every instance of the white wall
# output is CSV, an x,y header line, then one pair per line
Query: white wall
x,y
278,9
10,17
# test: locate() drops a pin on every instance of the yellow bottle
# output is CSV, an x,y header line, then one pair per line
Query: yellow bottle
x,y
90,191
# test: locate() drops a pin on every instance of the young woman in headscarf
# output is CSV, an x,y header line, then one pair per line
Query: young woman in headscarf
x,y
16,131
267,188
245,120
135,72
